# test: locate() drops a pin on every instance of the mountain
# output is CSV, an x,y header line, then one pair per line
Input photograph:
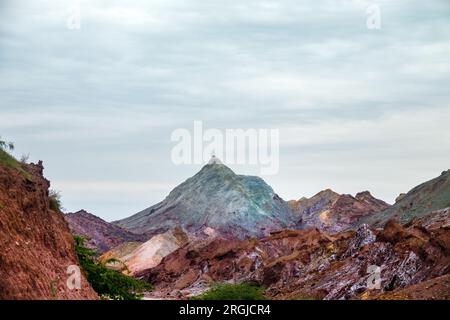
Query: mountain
x,y
310,207
310,264
334,212
103,236
36,246
216,200
419,202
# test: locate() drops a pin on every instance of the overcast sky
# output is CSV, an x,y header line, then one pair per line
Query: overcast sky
x,y
357,109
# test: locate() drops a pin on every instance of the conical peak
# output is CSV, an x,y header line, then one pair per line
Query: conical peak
x,y
214,160
215,166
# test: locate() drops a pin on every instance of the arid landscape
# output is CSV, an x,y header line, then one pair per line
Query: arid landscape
x,y
196,154
219,227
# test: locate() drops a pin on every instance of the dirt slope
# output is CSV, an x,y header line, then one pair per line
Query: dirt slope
x,y
36,246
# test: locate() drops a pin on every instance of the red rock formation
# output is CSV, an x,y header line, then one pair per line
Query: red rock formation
x,y
311,264
332,212
36,246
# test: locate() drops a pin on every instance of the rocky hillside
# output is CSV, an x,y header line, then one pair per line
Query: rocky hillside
x,y
103,236
420,201
136,258
216,200
36,246
309,264
335,212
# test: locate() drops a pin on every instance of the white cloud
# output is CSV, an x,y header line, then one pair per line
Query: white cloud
x,y
355,107
421,129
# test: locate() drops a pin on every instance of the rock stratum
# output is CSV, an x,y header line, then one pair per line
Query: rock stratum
x,y
36,246
333,212
323,251
101,235
310,264
216,201
135,257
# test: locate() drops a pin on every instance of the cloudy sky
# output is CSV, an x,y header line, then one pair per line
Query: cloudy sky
x,y
356,108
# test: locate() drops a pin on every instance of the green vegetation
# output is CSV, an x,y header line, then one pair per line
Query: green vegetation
x,y
109,284
55,200
305,297
9,161
24,158
6,145
224,291
53,288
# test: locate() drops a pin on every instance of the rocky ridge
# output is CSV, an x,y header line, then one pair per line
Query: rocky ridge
x,y
310,264
333,212
418,202
216,200
36,246
101,235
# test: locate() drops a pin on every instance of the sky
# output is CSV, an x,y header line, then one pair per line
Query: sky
x,y
357,108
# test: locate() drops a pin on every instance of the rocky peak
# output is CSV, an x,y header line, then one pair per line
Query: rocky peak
x,y
83,213
214,160
233,205
215,167
310,206
364,195
333,212
327,193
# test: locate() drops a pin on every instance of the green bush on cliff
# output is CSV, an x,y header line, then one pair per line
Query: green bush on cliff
x,y
109,284
225,291
6,145
7,160
55,200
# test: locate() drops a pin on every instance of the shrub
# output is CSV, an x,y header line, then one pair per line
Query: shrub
x,y
109,284
243,291
24,158
6,145
55,201
9,161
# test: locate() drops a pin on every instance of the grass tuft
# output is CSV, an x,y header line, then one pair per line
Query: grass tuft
x,y
7,160
225,291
